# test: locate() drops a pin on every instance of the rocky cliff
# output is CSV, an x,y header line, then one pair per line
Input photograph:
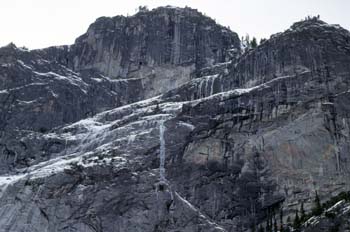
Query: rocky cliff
x,y
246,138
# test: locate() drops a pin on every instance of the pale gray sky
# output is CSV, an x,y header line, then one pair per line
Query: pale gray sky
x,y
42,23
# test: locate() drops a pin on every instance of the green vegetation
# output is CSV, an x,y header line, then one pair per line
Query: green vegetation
x,y
318,209
262,40
301,216
275,228
248,44
253,43
341,196
302,212
281,219
297,221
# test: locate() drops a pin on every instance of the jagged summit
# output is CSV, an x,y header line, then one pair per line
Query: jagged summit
x,y
121,46
11,48
172,10
317,25
134,57
307,22
164,10
160,47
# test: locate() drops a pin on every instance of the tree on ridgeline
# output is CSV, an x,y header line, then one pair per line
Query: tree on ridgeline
x,y
253,43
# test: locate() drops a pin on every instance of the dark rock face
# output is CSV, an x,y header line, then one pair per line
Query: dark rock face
x,y
121,46
161,47
118,61
245,138
51,94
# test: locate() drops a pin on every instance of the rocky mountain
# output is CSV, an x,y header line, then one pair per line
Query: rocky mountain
x,y
159,122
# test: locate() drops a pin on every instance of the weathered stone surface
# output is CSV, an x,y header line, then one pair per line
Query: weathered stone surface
x,y
118,61
158,51
244,138
120,46
161,47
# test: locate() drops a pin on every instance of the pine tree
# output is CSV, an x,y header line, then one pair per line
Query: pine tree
x,y
245,43
296,223
289,222
302,212
275,225
143,8
253,43
281,219
268,226
317,209
253,227
261,229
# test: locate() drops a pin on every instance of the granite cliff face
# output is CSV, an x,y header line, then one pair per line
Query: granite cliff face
x,y
161,48
117,62
246,136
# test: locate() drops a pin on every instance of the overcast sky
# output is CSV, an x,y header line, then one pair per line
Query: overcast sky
x,y
43,23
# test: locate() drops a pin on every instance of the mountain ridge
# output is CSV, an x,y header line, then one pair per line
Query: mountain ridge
x,y
242,139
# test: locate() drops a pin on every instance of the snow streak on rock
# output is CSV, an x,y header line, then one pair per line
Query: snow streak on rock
x,y
162,152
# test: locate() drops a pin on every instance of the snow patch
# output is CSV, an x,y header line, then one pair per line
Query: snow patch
x,y
188,125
